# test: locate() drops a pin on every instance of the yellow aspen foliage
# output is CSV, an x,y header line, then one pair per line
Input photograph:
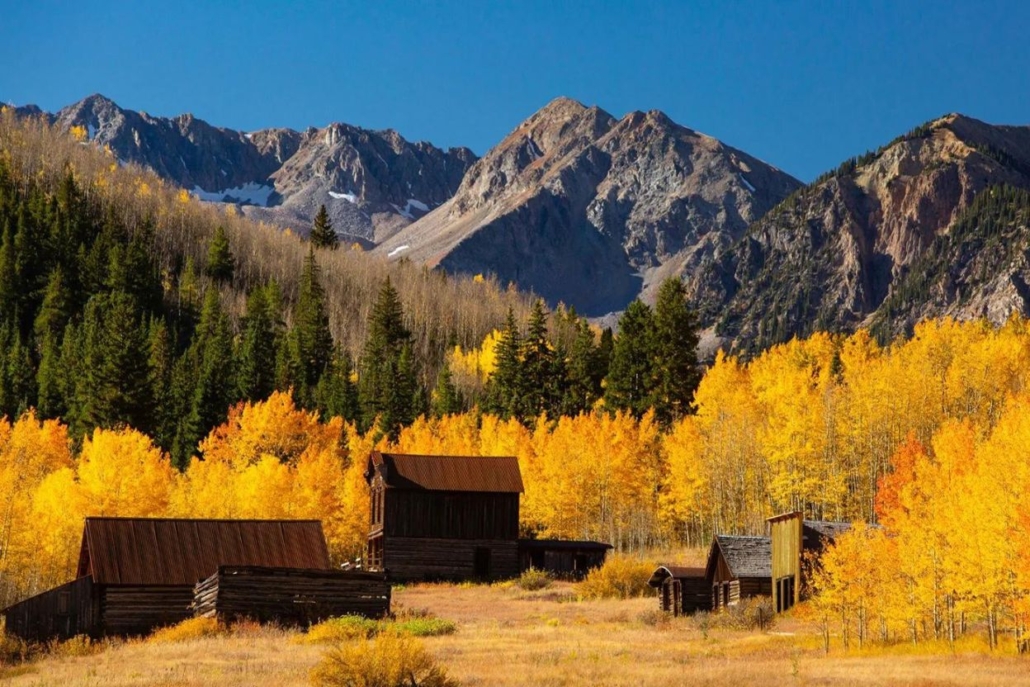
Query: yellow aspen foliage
x,y
121,473
79,133
183,196
476,363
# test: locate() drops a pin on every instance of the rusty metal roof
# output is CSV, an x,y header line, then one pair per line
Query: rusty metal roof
x,y
677,572
144,551
448,473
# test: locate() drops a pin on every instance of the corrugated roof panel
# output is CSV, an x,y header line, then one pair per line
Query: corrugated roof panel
x,y
142,551
493,474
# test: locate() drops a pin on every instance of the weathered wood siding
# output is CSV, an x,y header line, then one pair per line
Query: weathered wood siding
x,y
450,515
291,596
743,588
563,562
419,558
685,595
59,613
130,611
786,536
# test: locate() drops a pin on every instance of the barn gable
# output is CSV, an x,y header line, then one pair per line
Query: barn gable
x,y
738,557
482,474
159,552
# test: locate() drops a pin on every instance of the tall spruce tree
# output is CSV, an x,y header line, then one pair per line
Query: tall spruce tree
x,y
311,337
386,378
322,233
337,394
115,387
542,382
56,309
258,347
630,376
447,399
220,262
585,372
674,339
506,388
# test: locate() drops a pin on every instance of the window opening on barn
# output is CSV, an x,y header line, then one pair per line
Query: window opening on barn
x,y
481,565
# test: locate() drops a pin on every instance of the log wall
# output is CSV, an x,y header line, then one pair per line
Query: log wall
x,y
59,613
290,596
130,611
415,559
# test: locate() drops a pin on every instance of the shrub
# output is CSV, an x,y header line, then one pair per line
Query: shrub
x,y
424,627
389,660
188,630
341,629
533,580
621,577
415,623
654,618
79,645
13,650
750,614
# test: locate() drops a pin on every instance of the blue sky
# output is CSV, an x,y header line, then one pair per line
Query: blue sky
x,y
802,85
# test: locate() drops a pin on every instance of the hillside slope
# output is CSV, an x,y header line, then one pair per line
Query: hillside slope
x,y
831,255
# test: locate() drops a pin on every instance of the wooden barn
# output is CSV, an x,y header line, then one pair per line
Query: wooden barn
x,y
794,541
738,568
137,574
444,517
572,559
682,590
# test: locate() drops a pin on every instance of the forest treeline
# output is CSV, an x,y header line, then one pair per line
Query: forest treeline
x,y
825,425
109,317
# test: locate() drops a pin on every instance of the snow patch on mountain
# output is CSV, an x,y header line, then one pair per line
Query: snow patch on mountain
x,y
251,193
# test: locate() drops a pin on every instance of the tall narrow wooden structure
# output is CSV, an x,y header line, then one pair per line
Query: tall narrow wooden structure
x,y
794,541
444,517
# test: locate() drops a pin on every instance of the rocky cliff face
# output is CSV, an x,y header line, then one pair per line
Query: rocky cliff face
x,y
372,182
833,254
593,211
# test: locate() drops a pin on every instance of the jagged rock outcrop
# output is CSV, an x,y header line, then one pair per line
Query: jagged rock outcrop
x,y
832,255
372,182
593,211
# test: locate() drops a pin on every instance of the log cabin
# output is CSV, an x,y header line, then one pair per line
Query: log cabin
x,y
443,517
796,542
682,590
138,574
738,568
562,558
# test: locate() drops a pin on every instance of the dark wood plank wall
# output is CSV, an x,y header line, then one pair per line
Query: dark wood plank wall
x,y
291,596
562,562
62,612
451,515
410,559
130,611
695,594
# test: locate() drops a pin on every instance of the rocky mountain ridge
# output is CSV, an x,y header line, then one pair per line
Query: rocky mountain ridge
x,y
834,254
593,211
372,182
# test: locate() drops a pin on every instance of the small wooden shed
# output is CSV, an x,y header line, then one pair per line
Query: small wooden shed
x,y
444,517
573,559
138,574
739,568
795,541
682,590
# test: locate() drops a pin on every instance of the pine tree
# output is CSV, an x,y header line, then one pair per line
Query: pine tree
x,y
220,263
674,340
447,399
312,338
505,390
51,393
10,292
322,233
541,390
258,347
337,394
161,363
115,388
387,378
630,375
56,310
585,372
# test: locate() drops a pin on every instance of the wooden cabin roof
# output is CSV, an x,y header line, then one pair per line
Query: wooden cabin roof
x,y
563,545
825,529
158,552
677,572
484,474
744,556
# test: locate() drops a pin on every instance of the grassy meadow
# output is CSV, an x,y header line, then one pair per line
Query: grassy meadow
x,y
507,636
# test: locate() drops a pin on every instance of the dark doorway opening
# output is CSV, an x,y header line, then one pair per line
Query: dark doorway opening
x,y
481,563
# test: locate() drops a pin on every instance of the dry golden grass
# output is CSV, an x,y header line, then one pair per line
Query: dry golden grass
x,y
508,636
